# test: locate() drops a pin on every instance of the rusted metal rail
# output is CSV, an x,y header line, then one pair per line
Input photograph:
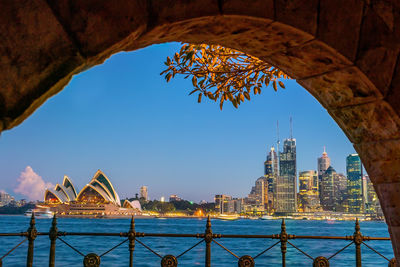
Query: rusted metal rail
x,y
208,237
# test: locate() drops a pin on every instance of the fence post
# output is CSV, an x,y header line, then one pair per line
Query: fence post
x,y
32,233
208,239
53,238
358,239
283,237
131,237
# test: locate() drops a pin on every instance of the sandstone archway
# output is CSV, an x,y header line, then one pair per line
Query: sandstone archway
x,y
344,52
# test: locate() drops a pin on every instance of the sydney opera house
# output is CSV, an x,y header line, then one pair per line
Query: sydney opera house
x,y
98,198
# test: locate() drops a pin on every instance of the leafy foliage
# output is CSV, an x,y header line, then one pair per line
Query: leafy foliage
x,y
221,73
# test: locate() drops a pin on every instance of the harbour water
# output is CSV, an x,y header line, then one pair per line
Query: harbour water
x,y
65,256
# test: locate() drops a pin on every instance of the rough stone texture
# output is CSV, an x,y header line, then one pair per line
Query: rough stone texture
x,y
368,122
390,205
262,9
97,25
344,52
381,160
344,87
379,43
393,94
389,196
170,11
35,53
395,236
307,60
298,13
341,36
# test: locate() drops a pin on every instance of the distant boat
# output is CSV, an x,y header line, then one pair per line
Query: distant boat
x,y
40,213
226,217
267,217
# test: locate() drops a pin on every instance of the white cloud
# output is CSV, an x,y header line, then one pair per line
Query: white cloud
x,y
31,184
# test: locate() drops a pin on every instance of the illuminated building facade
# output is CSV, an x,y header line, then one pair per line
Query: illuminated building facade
x,y
271,176
308,192
222,203
144,193
287,179
354,183
97,198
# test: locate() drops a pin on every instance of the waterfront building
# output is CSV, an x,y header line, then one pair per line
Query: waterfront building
x,y
364,192
271,175
323,164
372,202
328,189
221,203
97,198
144,193
308,197
234,205
287,180
341,193
174,198
5,198
260,192
258,197
354,183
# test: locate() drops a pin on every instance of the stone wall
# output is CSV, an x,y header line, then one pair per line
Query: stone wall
x,y
344,52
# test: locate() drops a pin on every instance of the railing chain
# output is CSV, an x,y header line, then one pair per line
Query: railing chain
x,y
192,247
93,260
233,254
11,250
300,250
76,250
374,250
141,243
262,252
114,247
348,245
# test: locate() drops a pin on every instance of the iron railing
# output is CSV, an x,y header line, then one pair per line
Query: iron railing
x,y
208,237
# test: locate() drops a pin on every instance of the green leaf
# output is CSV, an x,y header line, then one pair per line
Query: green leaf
x,y
281,84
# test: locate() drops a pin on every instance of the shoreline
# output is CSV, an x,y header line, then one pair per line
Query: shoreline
x,y
190,217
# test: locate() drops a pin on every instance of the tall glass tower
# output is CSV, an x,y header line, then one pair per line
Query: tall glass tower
x,y
354,183
287,179
271,174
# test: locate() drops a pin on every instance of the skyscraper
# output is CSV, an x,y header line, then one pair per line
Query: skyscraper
x,y
328,189
308,192
323,164
144,193
287,181
354,183
271,174
222,203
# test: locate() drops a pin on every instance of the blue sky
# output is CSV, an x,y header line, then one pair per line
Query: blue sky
x,y
123,118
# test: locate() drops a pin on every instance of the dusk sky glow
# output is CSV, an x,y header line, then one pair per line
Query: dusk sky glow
x,y
123,118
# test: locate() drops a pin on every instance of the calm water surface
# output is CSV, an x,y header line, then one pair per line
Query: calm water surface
x,y
65,256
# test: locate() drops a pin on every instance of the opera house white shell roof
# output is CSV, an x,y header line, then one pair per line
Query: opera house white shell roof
x,y
100,184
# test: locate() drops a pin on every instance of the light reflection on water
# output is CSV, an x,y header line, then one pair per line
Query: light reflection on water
x,y
142,257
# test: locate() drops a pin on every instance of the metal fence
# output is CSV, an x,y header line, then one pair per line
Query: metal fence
x,y
208,238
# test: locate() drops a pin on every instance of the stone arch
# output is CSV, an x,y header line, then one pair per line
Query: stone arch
x,y
344,52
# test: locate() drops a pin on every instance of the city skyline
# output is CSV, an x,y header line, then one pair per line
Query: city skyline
x,y
159,136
